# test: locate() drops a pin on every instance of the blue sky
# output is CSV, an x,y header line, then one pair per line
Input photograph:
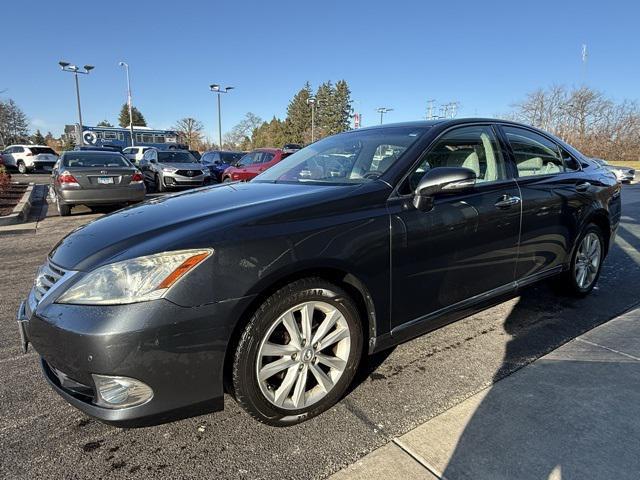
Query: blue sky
x,y
399,54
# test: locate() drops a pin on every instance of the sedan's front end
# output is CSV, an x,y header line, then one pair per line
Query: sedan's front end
x,y
176,176
123,342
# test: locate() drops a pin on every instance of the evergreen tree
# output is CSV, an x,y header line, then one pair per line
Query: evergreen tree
x,y
138,118
14,126
298,121
37,138
343,108
269,134
324,109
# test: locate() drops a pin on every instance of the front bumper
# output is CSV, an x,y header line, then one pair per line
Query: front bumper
x,y
102,196
173,180
178,351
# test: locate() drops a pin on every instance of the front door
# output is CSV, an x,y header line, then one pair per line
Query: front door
x,y
466,245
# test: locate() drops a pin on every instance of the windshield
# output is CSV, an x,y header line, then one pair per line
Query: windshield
x,y
349,158
84,159
176,157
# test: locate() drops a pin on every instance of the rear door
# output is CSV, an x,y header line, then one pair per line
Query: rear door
x,y
553,196
467,244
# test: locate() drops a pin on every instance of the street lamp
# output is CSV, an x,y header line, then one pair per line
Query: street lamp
x,y
313,102
214,87
129,102
382,111
67,67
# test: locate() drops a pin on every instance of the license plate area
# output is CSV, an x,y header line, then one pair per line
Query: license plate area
x,y
105,180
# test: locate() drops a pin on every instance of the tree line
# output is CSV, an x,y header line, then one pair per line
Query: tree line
x,y
593,123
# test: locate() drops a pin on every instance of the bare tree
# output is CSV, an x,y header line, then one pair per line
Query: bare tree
x,y
240,135
190,131
586,118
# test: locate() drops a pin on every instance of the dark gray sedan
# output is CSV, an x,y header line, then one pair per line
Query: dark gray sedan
x,y
95,178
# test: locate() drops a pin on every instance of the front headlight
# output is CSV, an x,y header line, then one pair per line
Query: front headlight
x,y
169,169
136,280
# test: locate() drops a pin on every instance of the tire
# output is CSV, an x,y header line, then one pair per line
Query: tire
x,y
22,168
309,378
571,282
159,185
63,210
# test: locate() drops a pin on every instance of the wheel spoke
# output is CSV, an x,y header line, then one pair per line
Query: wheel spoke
x,y
284,389
299,390
582,276
323,379
292,327
331,362
270,369
307,316
276,350
335,336
326,325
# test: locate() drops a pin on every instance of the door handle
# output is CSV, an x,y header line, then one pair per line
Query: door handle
x,y
582,187
507,201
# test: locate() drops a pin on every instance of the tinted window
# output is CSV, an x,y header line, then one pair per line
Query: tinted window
x,y
231,157
534,154
93,159
570,163
345,158
176,157
39,150
246,160
473,147
267,157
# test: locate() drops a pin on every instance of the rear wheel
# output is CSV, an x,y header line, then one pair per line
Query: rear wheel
x,y
586,263
22,168
298,353
63,209
226,180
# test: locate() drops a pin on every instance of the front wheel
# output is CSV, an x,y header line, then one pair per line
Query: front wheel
x,y
298,353
586,263
159,184
226,180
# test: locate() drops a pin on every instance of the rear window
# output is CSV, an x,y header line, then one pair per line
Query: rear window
x,y
39,150
231,157
85,159
176,157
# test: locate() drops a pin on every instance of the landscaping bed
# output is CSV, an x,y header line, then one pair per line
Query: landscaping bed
x,y
10,195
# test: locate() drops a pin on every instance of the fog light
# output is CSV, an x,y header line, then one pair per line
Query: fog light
x,y
121,392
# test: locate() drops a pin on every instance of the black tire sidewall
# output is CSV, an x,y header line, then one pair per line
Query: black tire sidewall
x,y
592,228
245,385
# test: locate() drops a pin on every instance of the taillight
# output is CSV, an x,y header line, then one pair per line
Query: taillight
x,y
65,178
136,178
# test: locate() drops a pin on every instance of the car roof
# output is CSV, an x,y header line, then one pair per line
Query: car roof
x,y
447,122
266,149
93,152
28,146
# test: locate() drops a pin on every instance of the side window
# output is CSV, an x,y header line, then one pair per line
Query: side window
x,y
534,154
267,157
472,147
215,157
257,158
18,150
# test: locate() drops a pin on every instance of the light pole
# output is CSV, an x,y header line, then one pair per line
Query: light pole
x,y
67,67
382,111
214,87
126,67
312,101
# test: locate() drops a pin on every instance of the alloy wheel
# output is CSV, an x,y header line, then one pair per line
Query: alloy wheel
x,y
303,355
588,260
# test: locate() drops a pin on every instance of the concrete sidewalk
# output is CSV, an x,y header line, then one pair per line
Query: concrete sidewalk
x,y
572,414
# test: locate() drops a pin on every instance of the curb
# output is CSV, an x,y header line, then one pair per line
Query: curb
x,y
21,210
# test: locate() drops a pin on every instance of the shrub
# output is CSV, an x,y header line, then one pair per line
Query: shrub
x,y
5,177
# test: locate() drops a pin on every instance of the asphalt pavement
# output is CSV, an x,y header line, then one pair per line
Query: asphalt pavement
x,y
396,391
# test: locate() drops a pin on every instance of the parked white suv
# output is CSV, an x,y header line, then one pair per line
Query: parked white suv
x,y
27,158
134,154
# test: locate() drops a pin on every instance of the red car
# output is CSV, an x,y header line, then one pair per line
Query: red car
x,y
253,164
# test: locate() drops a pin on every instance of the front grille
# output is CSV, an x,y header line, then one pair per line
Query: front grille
x,y
48,275
189,173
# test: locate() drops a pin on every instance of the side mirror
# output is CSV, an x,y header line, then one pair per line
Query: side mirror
x,y
153,160
442,180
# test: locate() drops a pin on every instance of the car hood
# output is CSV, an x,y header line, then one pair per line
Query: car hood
x,y
192,219
183,166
